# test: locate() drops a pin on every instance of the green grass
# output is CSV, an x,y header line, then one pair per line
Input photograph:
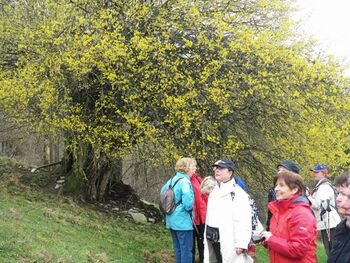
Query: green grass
x,y
321,253
36,226
40,227
263,256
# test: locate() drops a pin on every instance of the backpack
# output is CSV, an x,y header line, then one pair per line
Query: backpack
x,y
167,198
326,181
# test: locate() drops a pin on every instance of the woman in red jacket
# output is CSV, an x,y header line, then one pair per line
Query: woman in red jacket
x,y
293,233
200,213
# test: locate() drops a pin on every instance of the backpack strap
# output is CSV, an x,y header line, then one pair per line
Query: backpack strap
x,y
324,181
172,186
329,183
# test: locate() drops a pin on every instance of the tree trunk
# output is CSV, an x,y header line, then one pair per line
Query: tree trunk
x,y
95,173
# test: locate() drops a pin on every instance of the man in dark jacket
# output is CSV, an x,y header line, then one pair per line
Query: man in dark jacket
x,y
287,165
340,252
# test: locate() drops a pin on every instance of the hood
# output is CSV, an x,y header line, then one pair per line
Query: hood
x,y
284,205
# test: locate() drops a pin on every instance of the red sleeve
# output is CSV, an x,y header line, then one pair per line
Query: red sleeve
x,y
301,227
200,200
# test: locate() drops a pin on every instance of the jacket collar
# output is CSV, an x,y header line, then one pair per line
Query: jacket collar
x,y
226,187
180,174
282,205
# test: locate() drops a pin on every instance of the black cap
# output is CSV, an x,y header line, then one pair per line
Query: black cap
x,y
289,165
224,164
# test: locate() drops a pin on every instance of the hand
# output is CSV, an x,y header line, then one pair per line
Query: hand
x,y
258,240
239,250
266,235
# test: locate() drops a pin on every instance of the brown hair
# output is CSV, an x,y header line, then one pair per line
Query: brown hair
x,y
343,180
292,180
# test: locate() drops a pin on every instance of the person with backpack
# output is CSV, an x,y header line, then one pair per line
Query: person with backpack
x,y
200,213
285,165
340,252
323,198
179,219
228,223
292,236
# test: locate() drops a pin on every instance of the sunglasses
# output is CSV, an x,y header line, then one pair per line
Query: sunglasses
x,y
219,168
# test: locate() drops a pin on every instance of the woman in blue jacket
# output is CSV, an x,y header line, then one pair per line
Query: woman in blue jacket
x,y
180,221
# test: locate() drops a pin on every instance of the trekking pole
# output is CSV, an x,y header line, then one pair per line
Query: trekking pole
x,y
328,229
325,220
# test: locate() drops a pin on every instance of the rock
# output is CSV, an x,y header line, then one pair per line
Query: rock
x,y
151,220
138,217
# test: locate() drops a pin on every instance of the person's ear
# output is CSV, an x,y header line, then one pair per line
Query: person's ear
x,y
295,190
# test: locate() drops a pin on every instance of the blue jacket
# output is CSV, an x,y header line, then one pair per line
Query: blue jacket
x,y
240,182
181,218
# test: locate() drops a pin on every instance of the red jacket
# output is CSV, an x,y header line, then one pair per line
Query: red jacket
x,y
294,231
200,200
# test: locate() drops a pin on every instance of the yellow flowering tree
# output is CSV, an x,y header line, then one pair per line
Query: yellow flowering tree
x,y
208,79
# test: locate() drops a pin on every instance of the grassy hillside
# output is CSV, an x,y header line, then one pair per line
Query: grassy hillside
x,y
37,225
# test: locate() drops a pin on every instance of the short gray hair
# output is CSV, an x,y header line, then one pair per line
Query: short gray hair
x,y
208,185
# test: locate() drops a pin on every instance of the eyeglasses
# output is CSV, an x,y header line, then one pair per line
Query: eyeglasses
x,y
218,168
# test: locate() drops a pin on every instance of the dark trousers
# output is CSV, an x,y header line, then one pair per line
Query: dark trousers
x,y
216,247
327,243
199,237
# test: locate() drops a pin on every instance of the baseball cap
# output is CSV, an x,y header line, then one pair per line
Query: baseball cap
x,y
290,166
320,168
224,164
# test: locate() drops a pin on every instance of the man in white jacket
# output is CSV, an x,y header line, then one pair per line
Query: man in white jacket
x,y
323,204
228,217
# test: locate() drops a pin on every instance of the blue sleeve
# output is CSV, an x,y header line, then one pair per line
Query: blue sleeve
x,y
240,182
187,195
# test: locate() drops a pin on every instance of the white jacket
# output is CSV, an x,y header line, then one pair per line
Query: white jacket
x,y
233,218
321,197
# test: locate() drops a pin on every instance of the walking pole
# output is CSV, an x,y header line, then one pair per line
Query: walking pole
x,y
326,221
328,229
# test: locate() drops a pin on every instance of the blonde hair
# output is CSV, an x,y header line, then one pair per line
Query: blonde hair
x,y
186,165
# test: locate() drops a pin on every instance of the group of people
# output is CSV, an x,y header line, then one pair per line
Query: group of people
x,y
216,213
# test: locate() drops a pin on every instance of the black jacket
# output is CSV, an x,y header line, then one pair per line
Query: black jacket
x,y
340,252
271,197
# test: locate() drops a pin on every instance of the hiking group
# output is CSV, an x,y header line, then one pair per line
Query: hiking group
x,y
218,215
